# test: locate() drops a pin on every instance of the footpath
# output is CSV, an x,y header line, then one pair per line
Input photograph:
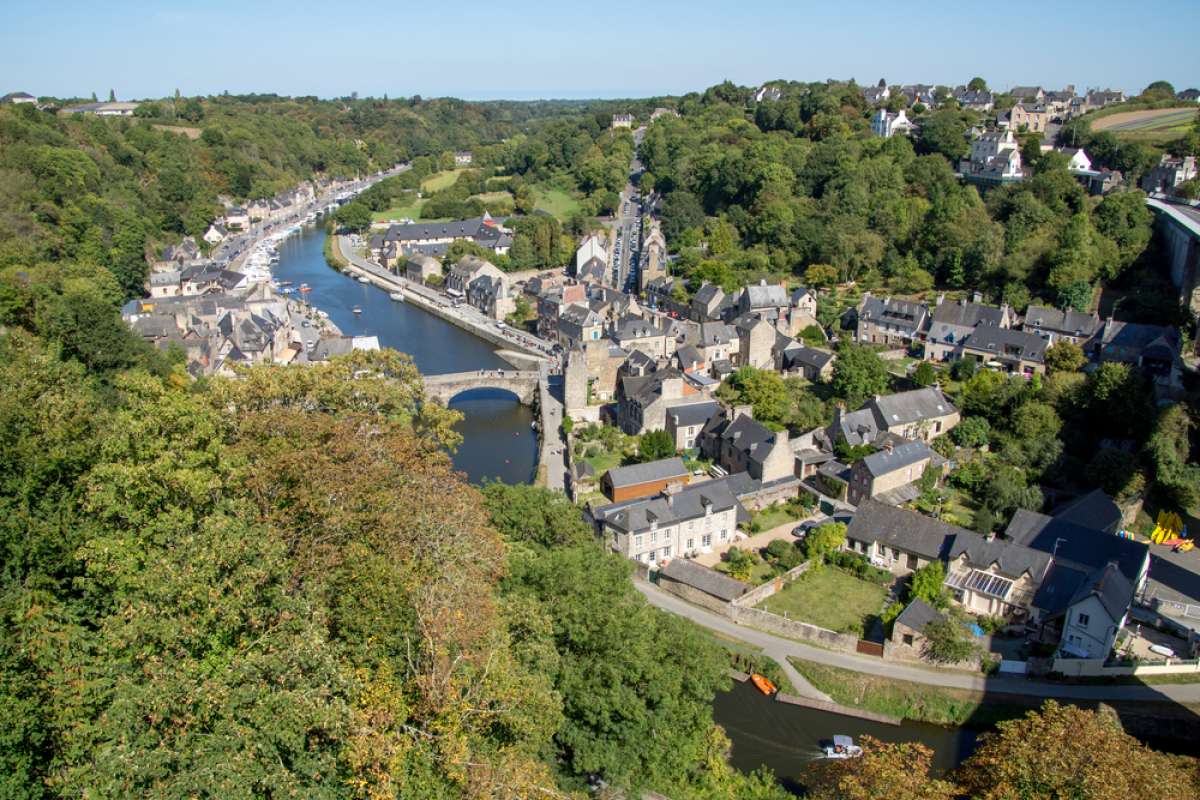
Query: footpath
x,y
779,649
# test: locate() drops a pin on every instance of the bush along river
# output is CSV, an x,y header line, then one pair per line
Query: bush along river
x,y
498,439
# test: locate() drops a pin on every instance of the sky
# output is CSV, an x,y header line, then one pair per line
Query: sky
x,y
618,49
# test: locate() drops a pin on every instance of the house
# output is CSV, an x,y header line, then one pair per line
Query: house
x,y
718,342
652,530
593,271
1151,348
765,93
643,480
419,268
1029,116
890,475
1186,94
491,295
165,284
690,360
634,333
1077,327
577,324
462,158
1094,510
707,300
885,124
951,323
642,401
908,629
593,246
1098,99
215,234
659,112
237,217
480,230
919,414
1011,351
699,584
813,364
1080,545
974,100
882,320
1027,94
18,97
1059,103
1083,622
876,94
685,423
735,442
1078,160
922,93
622,121
1168,174
1107,180
995,158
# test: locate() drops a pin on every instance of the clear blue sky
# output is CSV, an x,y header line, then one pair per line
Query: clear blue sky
x,y
538,49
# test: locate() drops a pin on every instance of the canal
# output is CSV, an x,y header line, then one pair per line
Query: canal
x,y
498,440
786,739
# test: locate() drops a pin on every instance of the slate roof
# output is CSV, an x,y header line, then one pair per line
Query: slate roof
x,y
693,413
1110,587
638,474
708,294
1076,544
1133,334
1092,510
810,356
1072,323
1058,587
715,333
475,229
885,309
771,296
884,462
905,407
1009,557
689,357
752,438
967,315
907,530
631,516
704,579
918,615
994,341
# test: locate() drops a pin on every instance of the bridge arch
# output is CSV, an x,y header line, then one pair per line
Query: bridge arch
x,y
444,388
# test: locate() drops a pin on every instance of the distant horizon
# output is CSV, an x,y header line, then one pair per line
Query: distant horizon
x,y
542,51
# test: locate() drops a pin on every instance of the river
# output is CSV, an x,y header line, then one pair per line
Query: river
x,y
786,739
498,440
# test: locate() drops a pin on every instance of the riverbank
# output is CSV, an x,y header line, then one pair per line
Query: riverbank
x,y
982,709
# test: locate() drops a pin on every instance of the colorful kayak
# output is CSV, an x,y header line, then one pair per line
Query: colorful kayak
x,y
1173,542
1185,545
764,685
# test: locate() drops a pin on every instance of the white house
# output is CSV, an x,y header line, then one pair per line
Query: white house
x,y
886,124
1079,159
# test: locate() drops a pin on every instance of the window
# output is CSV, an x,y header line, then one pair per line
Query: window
x,y
883,549
637,542
908,639
653,538
666,552
652,555
706,540
723,535
1083,620
691,430
691,526
708,522
691,544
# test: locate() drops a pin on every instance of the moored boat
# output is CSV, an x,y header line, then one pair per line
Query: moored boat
x,y
363,279
764,685
356,310
842,747
304,287
397,296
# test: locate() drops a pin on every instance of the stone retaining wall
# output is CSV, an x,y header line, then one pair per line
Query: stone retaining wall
x,y
841,642
769,497
693,595
760,593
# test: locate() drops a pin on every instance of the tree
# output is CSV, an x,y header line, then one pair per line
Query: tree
x,y
944,133
926,584
1064,356
354,216
971,432
1036,420
1067,751
858,373
821,276
655,446
824,539
946,641
925,374
977,85
1116,472
1168,450
763,389
883,772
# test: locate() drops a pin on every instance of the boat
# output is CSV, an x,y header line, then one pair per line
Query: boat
x,y
363,279
1185,545
285,283
356,310
304,287
842,747
397,296
764,685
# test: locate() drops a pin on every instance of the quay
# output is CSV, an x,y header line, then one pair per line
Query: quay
x,y
822,705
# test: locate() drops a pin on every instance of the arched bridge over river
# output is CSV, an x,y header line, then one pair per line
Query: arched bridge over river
x,y
444,388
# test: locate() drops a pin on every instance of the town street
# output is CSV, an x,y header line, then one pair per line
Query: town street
x,y
779,649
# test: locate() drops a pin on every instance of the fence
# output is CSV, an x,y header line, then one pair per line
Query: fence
x,y
1081,667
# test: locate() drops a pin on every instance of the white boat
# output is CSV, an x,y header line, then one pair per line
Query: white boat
x,y
363,279
356,310
397,296
842,747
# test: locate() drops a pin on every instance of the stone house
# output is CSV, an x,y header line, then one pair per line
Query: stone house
x,y
952,323
578,324
812,363
1082,611
707,302
462,158
756,342
1168,174
642,401
643,480
718,342
908,640
622,121
635,333
920,414
1027,94
995,154
890,475
468,268
422,268
1151,348
686,423
1011,351
1077,327
653,530
882,320
1030,116
736,443
700,585
764,298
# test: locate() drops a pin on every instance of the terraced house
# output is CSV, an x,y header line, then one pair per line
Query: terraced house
x,y
653,530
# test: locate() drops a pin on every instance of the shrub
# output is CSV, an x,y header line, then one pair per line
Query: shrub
x,y
892,611
991,624
946,641
854,627
778,548
593,452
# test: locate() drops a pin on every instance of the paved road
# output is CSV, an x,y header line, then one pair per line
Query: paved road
x,y
554,443
778,649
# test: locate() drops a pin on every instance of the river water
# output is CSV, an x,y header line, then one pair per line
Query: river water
x,y
786,739
498,440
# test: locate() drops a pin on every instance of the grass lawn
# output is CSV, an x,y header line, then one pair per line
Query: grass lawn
x,y
773,519
830,599
603,463
555,199
439,180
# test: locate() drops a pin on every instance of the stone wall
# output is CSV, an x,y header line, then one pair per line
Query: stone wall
x,y
841,642
760,593
692,595
770,496
894,649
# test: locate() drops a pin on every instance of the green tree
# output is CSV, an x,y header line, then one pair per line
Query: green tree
x,y
926,584
944,133
354,216
946,641
821,276
824,539
1064,356
883,772
925,374
858,373
655,446
1116,472
977,85
971,432
763,389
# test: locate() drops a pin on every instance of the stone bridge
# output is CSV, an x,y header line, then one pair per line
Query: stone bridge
x,y
444,388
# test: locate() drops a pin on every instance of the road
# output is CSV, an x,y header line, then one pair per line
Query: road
x,y
779,649
628,226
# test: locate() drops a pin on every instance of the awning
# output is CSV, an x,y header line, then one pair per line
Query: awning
x,y
1072,650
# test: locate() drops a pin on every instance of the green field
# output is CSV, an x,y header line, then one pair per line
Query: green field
x,y
555,200
412,210
552,197
830,599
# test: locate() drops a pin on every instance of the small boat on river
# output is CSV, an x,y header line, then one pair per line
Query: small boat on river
x,y
842,747
397,296
304,287
356,310
363,279
764,685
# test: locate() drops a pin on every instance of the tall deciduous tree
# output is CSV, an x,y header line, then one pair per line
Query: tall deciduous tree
x,y
858,373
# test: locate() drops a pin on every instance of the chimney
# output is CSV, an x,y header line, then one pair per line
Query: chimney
x,y
941,298
977,298
890,447
742,411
